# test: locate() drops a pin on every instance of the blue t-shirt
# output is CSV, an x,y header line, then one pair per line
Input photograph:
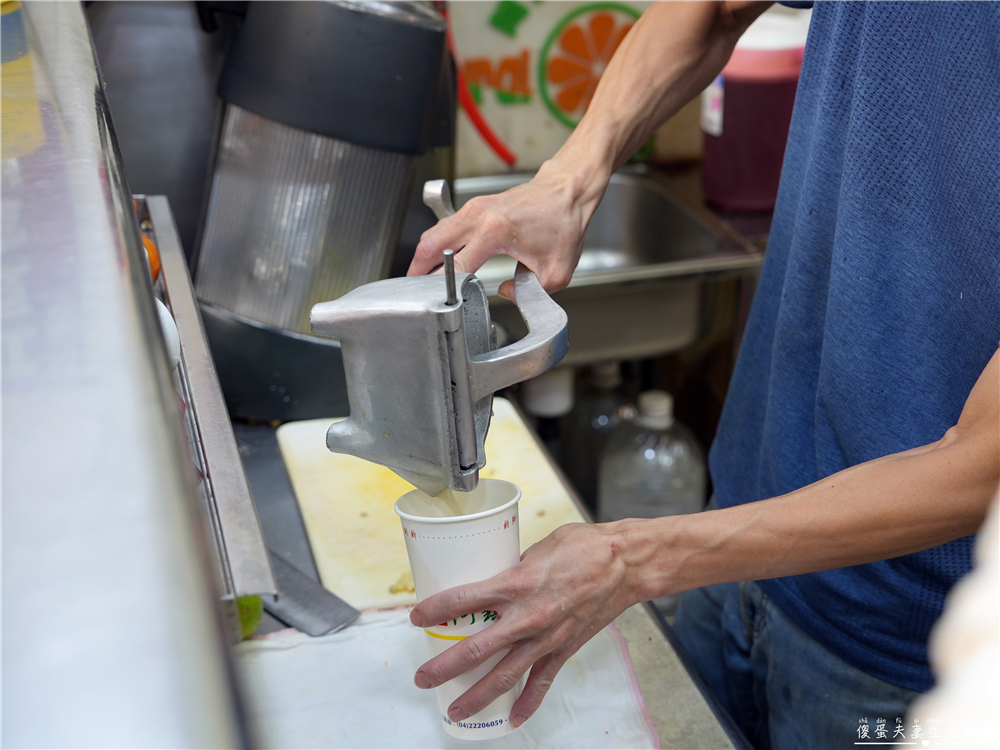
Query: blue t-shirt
x,y
879,300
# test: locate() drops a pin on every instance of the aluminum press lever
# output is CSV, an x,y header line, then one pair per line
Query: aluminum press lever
x,y
421,367
548,335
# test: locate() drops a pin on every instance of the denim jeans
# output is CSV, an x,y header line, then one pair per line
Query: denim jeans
x,y
782,688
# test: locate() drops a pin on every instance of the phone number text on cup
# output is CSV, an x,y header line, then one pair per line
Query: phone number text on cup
x,y
473,724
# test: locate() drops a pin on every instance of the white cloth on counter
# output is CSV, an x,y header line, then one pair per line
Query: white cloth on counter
x,y
354,689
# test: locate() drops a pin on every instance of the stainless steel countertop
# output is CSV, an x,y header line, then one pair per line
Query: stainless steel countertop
x,y
111,633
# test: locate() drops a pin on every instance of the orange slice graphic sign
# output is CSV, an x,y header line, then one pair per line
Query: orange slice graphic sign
x,y
575,54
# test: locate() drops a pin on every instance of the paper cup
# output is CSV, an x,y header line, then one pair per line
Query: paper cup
x,y
446,550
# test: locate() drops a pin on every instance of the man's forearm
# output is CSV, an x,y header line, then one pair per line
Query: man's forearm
x,y
671,54
885,508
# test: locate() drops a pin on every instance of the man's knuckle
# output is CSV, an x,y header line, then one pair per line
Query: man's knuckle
x,y
541,686
478,204
475,650
495,224
562,532
506,681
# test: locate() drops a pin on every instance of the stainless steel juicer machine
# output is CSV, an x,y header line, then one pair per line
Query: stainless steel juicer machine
x,y
422,366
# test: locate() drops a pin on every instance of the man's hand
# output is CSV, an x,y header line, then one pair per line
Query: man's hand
x,y
540,223
563,592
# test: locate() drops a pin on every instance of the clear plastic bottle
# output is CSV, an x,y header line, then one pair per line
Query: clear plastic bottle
x,y
652,466
600,406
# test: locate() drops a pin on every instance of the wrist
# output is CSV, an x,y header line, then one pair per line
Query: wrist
x,y
646,570
668,555
584,167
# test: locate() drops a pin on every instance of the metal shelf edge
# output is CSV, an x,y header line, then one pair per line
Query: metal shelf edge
x,y
245,550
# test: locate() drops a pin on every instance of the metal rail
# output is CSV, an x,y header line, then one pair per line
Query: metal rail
x,y
244,561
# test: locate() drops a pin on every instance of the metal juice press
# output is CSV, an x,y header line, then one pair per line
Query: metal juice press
x,y
422,366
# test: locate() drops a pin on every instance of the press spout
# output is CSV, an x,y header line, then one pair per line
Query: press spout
x,y
344,437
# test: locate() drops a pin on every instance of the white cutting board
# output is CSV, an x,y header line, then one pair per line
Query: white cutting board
x,y
346,504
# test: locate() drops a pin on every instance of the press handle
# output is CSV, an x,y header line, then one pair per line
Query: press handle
x,y
541,350
437,197
548,333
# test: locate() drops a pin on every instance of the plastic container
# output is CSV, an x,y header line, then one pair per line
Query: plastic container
x,y
549,394
600,407
651,467
746,113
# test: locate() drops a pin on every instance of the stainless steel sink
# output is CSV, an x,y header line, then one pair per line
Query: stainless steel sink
x,y
637,291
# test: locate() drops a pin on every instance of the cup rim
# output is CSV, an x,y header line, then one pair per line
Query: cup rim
x,y
456,519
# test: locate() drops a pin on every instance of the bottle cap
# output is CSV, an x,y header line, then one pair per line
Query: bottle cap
x,y
606,376
549,394
656,409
